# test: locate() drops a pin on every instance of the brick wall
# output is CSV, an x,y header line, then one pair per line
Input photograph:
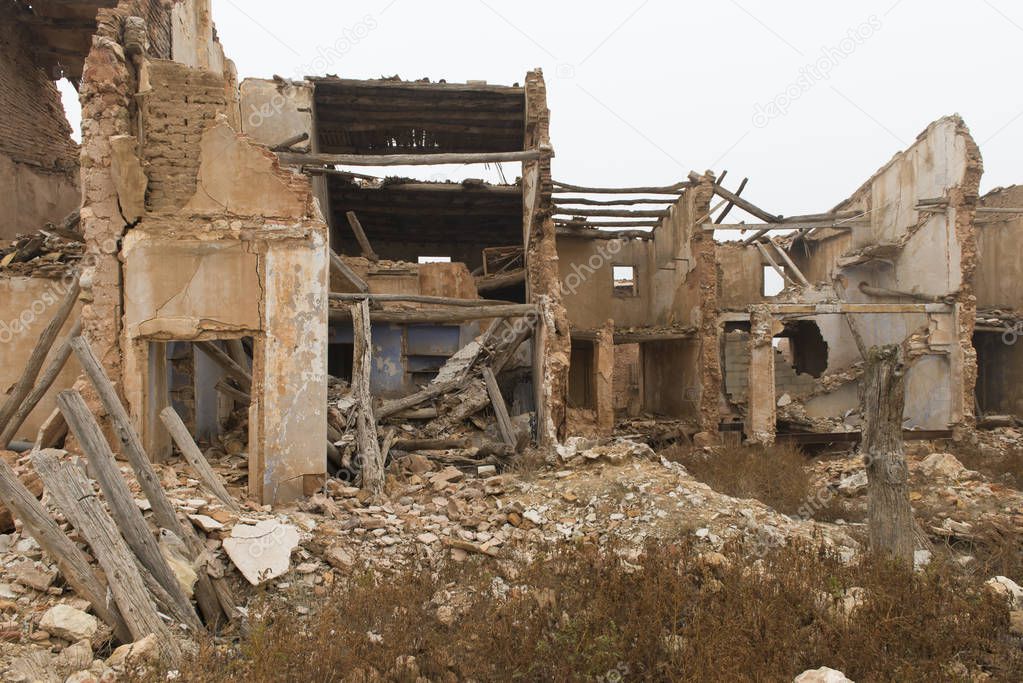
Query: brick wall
x,y
183,103
33,127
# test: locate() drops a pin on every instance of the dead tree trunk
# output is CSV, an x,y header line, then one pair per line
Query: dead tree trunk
x,y
369,447
883,397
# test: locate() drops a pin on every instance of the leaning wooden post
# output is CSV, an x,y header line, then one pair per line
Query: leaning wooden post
x,y
73,563
883,398
212,597
123,509
369,447
207,475
75,497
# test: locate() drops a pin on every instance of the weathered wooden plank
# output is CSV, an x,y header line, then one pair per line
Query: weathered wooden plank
x,y
504,423
210,479
445,316
71,561
292,159
226,363
360,237
74,495
210,601
343,270
419,299
123,509
366,422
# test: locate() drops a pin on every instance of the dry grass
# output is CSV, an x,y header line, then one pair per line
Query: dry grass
x,y
582,615
774,475
1002,466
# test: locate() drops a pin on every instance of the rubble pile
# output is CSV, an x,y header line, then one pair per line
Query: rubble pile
x,y
50,252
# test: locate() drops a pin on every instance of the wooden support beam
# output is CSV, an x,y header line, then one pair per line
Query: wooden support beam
x,y
75,497
676,189
432,391
366,422
237,395
44,384
27,380
747,206
855,309
489,283
728,207
419,299
226,363
291,142
610,213
73,564
207,475
360,237
342,269
439,316
212,597
504,423
606,234
292,159
565,223
762,228
790,263
774,264
123,509
583,201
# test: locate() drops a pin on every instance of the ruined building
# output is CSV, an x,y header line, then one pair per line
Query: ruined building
x,y
224,234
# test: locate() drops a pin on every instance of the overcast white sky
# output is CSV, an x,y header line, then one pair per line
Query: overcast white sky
x,y
643,91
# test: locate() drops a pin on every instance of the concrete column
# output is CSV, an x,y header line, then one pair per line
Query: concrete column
x,y
288,417
761,414
603,378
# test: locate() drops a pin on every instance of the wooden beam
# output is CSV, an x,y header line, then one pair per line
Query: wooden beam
x,y
855,309
440,316
76,498
762,228
489,283
211,598
360,237
329,83
342,269
226,363
292,159
419,299
366,422
564,223
504,423
676,189
73,564
390,408
207,475
564,201
743,204
611,213
728,207
122,505
790,263
774,264
606,234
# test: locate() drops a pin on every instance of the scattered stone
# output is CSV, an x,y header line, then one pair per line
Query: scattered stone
x,y
339,558
262,551
821,675
207,524
854,484
427,538
921,558
69,623
32,576
144,651
943,465
1006,589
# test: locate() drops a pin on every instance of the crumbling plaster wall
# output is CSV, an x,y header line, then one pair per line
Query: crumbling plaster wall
x,y
587,276
925,253
999,281
38,158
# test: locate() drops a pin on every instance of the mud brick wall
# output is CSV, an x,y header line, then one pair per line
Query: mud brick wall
x,y
33,127
183,103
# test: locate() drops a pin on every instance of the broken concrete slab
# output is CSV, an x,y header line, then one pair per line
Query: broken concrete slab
x,y
262,551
